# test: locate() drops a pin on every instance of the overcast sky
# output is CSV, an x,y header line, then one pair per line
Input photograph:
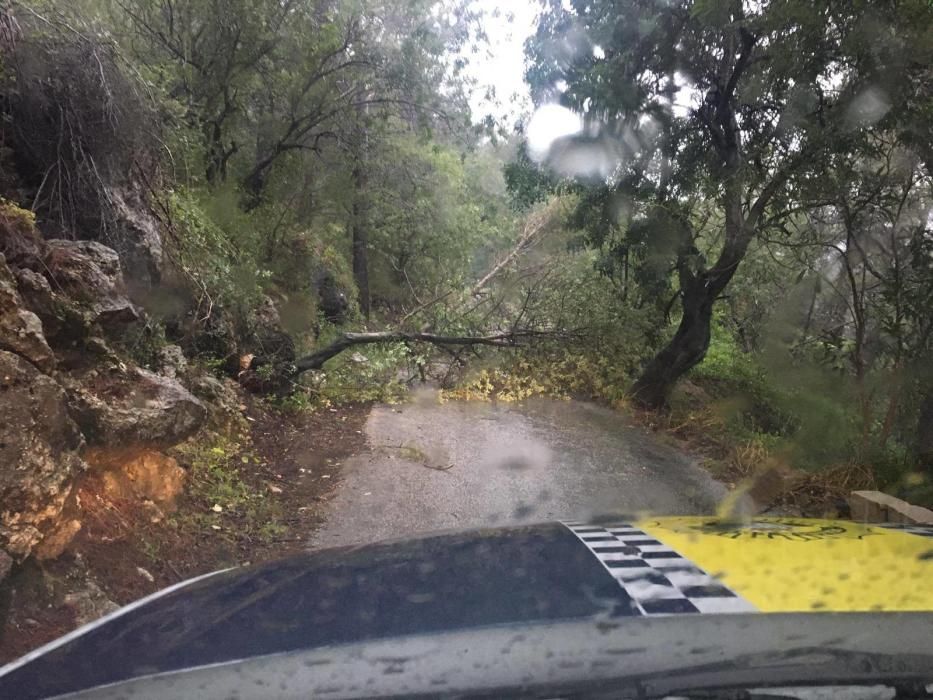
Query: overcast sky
x,y
502,66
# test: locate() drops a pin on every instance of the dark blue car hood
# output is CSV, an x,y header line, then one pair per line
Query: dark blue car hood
x,y
610,579
447,582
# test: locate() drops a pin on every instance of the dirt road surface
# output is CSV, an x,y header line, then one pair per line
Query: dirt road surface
x,y
432,466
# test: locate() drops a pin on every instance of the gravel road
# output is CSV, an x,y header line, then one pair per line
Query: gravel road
x,y
431,466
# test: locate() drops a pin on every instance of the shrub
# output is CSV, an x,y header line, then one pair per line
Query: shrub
x,y
19,240
743,388
222,270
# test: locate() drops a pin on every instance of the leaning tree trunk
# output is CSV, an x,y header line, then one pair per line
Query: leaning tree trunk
x,y
699,292
701,288
684,351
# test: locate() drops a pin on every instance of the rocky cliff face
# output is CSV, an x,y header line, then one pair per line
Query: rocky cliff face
x,y
70,404
39,454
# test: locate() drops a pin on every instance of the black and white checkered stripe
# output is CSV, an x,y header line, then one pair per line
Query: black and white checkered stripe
x,y
922,530
658,579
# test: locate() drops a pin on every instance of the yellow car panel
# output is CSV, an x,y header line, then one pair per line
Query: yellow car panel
x,y
799,565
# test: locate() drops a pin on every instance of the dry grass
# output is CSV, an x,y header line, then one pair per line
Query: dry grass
x,y
747,458
827,490
751,465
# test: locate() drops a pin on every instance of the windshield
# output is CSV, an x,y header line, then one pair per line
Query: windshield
x,y
465,314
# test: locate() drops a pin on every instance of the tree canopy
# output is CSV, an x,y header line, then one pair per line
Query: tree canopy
x,y
743,215
719,112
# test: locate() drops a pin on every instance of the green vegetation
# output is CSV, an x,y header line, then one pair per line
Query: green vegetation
x,y
17,217
225,505
768,197
738,241
379,375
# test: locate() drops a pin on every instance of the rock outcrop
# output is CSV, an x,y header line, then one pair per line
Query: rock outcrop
x,y
57,539
20,243
76,410
20,329
90,273
141,474
138,238
172,361
224,403
133,406
39,459
57,301
64,324
89,603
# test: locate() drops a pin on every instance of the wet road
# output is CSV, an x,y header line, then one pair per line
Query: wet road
x,y
433,466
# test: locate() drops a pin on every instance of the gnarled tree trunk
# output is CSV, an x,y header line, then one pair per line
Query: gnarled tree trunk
x,y
699,292
684,351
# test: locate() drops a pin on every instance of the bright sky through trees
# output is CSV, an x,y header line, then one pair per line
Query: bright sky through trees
x,y
501,64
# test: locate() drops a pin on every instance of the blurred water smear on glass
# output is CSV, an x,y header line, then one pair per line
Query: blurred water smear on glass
x,y
548,124
868,107
557,140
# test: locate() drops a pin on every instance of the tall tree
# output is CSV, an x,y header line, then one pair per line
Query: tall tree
x,y
272,86
742,104
867,221
207,55
263,80
359,209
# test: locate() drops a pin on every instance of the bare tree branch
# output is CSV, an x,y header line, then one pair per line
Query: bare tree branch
x,y
503,339
535,225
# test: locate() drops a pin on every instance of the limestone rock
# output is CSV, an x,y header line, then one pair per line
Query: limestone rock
x,y
90,273
139,239
214,391
55,541
20,329
172,361
39,459
20,242
65,324
89,603
36,291
223,401
135,407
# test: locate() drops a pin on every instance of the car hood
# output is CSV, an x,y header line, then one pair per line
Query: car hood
x,y
669,578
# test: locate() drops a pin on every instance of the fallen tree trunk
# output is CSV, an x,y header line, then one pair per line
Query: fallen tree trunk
x,y
505,339
535,226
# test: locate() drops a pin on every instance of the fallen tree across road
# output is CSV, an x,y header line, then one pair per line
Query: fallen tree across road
x,y
504,339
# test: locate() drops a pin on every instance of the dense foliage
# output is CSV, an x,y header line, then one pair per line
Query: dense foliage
x,y
747,205
765,168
